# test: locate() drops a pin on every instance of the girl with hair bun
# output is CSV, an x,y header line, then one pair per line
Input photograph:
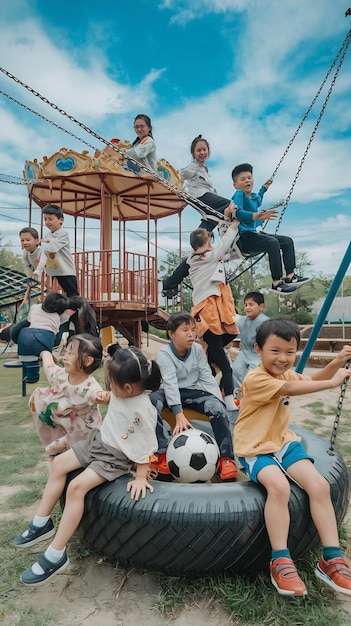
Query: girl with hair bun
x,y
123,445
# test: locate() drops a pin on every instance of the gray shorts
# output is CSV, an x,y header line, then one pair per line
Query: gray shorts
x,y
100,457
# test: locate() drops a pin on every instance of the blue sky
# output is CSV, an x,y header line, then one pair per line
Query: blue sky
x,y
241,73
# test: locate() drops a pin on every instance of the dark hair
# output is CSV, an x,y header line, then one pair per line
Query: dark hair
x,y
88,346
198,238
177,319
53,209
130,366
30,231
84,318
55,303
282,328
196,141
256,296
243,167
147,121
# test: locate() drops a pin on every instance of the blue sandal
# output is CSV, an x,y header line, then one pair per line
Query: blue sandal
x,y
50,569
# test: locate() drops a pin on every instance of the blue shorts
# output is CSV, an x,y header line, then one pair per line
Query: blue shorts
x,y
288,455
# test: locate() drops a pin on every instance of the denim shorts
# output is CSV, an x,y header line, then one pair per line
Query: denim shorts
x,y
288,455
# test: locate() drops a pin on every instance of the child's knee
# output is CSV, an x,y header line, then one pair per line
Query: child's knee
x,y
320,488
277,485
214,408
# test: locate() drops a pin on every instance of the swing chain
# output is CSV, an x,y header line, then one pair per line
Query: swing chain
x,y
344,46
194,202
338,411
310,140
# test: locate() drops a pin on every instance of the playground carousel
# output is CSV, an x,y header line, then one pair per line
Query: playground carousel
x,y
108,187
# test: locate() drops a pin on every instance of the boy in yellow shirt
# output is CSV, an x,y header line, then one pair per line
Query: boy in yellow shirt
x,y
271,453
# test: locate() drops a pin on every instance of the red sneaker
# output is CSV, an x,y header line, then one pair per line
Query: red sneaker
x,y
227,468
285,578
160,463
336,573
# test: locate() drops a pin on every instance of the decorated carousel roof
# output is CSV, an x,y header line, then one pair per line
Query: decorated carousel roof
x,y
81,184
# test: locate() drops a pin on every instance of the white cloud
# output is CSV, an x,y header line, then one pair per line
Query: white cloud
x,y
60,76
251,118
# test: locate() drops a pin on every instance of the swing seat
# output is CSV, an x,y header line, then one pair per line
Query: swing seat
x,y
16,364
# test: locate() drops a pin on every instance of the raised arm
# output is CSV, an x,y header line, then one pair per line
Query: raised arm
x,y
329,370
312,385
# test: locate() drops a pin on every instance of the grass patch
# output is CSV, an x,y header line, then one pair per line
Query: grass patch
x,y
25,497
249,601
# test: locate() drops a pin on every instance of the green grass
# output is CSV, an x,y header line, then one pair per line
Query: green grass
x,y
250,601
343,433
247,601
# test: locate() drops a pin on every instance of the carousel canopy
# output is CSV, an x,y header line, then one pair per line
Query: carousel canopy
x,y
83,185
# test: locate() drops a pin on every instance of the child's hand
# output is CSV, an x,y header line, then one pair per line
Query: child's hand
x,y
137,488
340,376
343,356
230,211
270,214
268,183
103,397
181,423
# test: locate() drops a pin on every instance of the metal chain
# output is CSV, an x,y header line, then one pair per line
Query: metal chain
x,y
310,141
338,411
345,44
194,202
241,267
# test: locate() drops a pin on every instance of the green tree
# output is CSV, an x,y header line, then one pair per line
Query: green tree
x,y
167,266
8,258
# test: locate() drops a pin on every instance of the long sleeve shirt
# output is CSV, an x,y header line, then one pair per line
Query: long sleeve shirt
x,y
144,152
189,372
31,259
208,273
196,179
247,206
58,244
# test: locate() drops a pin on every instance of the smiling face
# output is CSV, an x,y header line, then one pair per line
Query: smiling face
x,y
277,355
201,151
245,182
183,338
141,128
28,242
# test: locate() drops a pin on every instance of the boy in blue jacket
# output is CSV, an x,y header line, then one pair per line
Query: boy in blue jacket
x,y
253,240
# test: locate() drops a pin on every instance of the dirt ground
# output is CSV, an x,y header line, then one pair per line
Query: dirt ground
x,y
97,593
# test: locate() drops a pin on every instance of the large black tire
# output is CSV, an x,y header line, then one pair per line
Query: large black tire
x,y
203,528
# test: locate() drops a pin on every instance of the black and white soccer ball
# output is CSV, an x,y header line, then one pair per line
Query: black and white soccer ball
x,y
192,456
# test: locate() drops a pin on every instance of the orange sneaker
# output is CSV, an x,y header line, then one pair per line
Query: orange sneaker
x,y
336,573
285,578
160,464
227,468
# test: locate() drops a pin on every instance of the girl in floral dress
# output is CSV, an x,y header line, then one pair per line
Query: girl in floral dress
x,y
67,410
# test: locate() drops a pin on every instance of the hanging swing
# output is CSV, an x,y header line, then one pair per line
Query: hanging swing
x,y
246,262
233,270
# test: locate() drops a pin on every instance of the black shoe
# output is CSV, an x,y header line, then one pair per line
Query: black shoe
x,y
283,288
35,535
31,579
296,280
